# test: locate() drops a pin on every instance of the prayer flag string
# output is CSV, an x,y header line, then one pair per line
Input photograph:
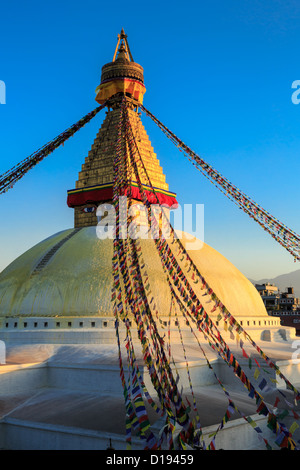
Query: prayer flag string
x,y
10,177
286,237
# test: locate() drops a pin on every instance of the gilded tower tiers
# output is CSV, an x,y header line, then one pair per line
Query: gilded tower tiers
x,y
94,186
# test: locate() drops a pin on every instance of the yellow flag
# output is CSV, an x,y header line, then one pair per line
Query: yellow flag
x,y
274,381
294,427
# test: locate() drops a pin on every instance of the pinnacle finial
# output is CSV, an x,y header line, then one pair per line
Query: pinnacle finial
x,y
124,47
120,76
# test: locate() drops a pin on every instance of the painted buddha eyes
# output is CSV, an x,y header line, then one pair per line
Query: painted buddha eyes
x,y
89,209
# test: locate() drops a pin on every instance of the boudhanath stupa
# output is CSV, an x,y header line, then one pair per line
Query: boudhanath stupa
x,y
60,384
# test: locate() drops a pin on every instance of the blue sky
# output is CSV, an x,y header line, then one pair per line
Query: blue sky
x,y
217,73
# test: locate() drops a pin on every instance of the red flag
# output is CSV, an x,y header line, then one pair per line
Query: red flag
x,y
244,353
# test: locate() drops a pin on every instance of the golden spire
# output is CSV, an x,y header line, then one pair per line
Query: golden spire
x,y
122,75
95,180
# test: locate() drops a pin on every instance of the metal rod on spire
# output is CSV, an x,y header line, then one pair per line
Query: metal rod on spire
x,y
123,37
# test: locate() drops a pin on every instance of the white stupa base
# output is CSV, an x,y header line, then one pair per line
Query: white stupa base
x,y
95,330
67,397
